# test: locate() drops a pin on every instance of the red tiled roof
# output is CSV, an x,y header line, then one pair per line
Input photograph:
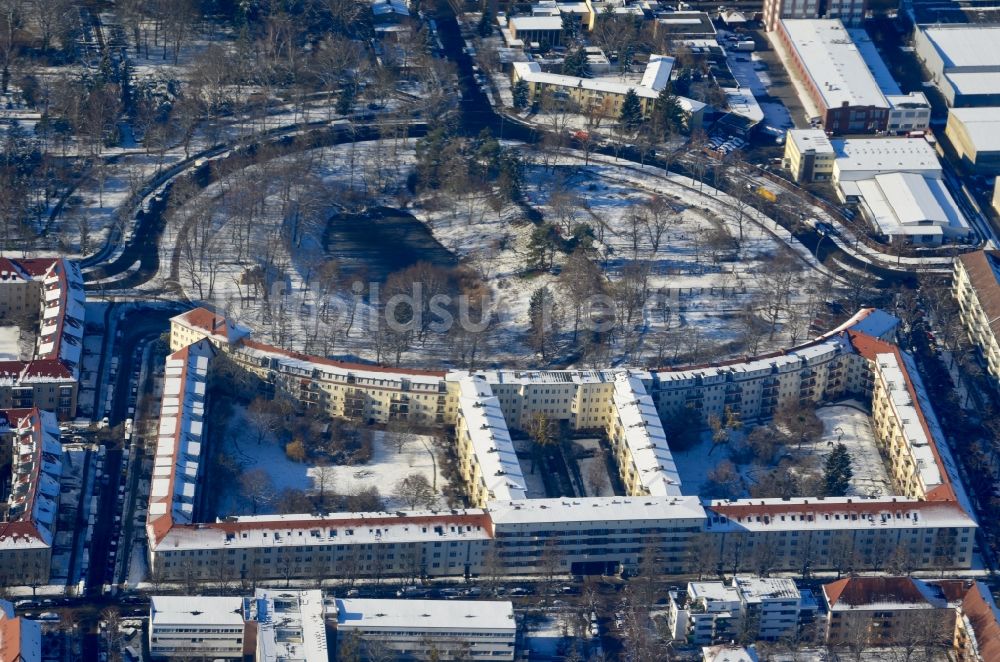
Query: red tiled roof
x,y
10,639
984,623
345,365
860,591
477,519
52,368
36,267
869,348
983,278
10,270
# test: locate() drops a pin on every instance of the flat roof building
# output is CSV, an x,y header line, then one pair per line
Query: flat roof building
x,y
975,135
898,183
197,627
605,95
963,62
851,12
429,629
809,155
291,625
839,85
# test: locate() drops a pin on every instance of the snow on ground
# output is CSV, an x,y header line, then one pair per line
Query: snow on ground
x,y
594,470
697,290
848,423
694,464
10,343
387,467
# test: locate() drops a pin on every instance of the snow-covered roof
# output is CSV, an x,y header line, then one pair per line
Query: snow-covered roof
x,y
866,155
754,590
535,23
903,203
833,62
814,139
532,73
255,531
829,513
873,60
966,46
445,615
291,625
657,72
970,83
178,461
36,467
729,653
981,124
490,439
340,371
59,339
713,592
595,509
742,102
196,610
645,439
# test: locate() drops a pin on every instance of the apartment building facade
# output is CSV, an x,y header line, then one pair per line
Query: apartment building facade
x,y
47,294
747,607
28,517
851,12
525,535
198,627
427,629
976,288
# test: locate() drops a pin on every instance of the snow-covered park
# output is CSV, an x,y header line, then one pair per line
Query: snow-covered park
x,y
256,245
846,422
388,465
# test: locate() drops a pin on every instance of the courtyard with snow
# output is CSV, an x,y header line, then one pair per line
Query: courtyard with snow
x,y
263,475
707,464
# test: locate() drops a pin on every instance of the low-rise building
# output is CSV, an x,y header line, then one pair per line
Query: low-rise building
x,y
428,629
962,61
716,612
809,155
884,611
708,612
291,625
20,637
975,135
275,625
899,185
976,288
839,86
199,627
605,96
847,84
771,604
729,653
536,29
